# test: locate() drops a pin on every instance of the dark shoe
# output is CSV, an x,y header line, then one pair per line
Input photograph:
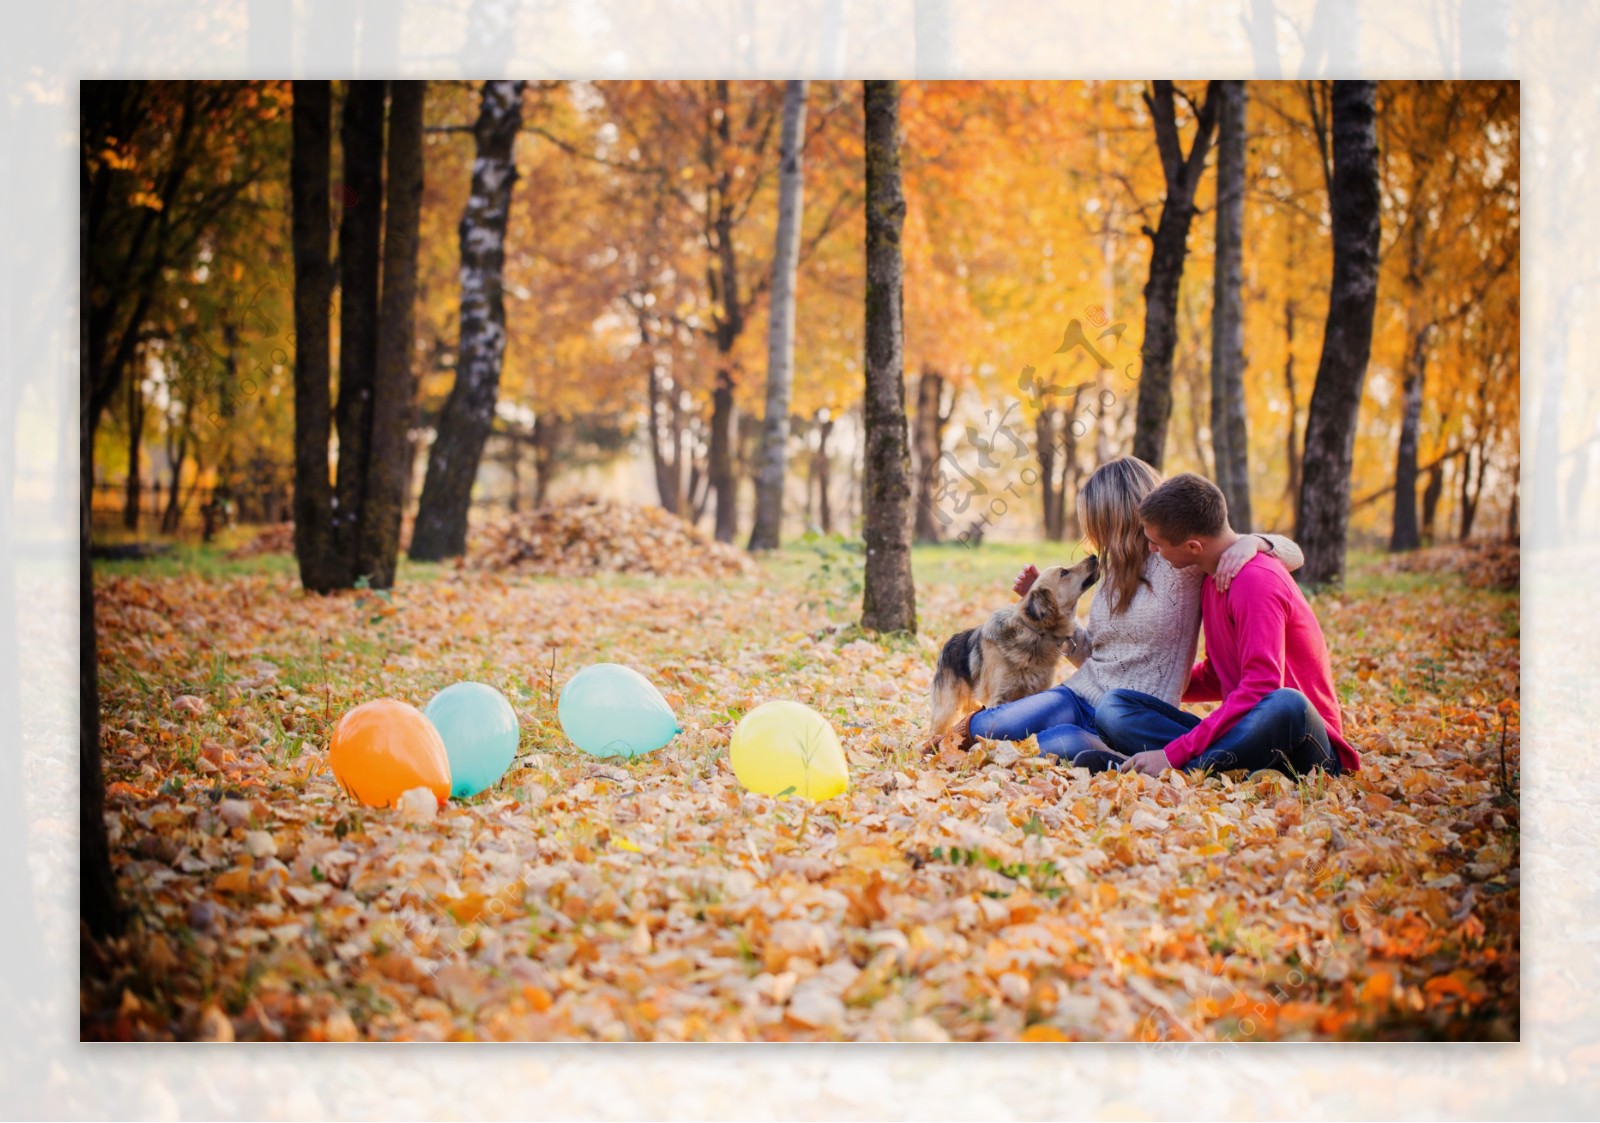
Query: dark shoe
x,y
1098,760
962,731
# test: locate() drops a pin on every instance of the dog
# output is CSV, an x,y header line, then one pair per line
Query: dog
x,y
1014,654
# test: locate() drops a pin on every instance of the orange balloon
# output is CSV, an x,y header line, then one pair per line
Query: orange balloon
x,y
380,750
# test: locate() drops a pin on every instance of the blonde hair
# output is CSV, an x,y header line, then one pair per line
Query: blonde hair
x,y
1109,508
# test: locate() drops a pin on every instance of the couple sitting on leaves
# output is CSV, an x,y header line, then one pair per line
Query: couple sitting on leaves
x,y
1168,561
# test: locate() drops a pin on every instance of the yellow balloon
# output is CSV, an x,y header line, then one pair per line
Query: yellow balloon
x,y
785,748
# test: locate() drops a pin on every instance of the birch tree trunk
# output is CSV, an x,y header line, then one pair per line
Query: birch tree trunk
x,y
1230,445
464,424
1169,246
360,240
313,288
394,388
1324,511
780,329
889,596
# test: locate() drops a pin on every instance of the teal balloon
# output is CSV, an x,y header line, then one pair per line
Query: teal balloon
x,y
479,729
611,710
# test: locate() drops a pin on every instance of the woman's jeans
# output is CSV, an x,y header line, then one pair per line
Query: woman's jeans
x,y
1063,722
1282,731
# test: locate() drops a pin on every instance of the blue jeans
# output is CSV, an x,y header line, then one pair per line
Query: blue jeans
x,y
1063,722
1282,731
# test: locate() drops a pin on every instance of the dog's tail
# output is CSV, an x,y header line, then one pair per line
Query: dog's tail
x,y
951,691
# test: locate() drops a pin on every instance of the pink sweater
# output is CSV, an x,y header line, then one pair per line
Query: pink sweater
x,y
1260,636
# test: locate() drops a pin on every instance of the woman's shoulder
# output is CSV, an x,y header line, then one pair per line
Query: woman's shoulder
x,y
1162,574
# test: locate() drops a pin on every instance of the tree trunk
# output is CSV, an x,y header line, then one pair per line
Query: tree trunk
x,y
669,477
514,469
394,389
227,398
698,494
1068,485
133,494
748,448
1431,495
723,478
1169,245
823,476
1324,511
313,285
1044,436
1470,496
889,596
1230,442
1405,534
1292,487
928,442
360,235
1468,507
678,432
780,329
722,273
468,415
172,516
547,429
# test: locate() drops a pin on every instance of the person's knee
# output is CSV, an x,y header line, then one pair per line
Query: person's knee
x,y
1293,709
1116,717
1287,700
1115,704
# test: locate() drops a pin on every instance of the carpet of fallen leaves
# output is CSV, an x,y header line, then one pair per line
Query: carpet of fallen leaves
x,y
1483,565
585,535
947,896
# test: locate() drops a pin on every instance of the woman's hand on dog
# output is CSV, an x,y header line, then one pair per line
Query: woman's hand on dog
x,y
1025,580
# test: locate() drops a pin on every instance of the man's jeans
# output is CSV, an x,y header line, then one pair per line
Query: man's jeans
x,y
1063,722
1282,731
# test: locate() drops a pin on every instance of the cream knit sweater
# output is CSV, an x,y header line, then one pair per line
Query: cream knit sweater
x,y
1150,647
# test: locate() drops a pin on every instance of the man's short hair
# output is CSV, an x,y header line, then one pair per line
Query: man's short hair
x,y
1186,506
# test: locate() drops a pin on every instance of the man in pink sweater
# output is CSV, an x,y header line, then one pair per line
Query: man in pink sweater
x,y
1265,661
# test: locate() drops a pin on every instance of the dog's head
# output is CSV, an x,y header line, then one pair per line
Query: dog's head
x,y
1050,604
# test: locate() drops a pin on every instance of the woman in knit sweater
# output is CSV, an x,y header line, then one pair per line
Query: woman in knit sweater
x,y
1144,622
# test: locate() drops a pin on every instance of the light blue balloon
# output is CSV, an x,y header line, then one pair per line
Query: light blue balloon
x,y
479,729
610,710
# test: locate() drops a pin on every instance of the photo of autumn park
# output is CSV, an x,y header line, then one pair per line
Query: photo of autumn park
x,y
722,560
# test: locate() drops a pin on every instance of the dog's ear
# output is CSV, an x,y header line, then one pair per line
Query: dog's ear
x,y
1040,605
